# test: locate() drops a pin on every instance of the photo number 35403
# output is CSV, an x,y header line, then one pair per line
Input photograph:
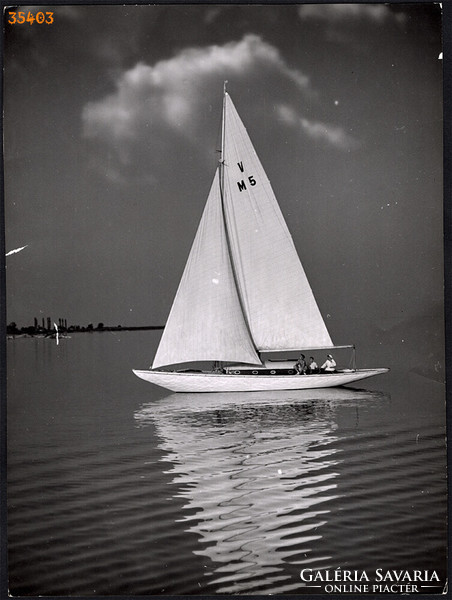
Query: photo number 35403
x,y
19,18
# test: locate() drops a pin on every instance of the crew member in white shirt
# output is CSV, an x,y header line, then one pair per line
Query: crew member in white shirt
x,y
329,366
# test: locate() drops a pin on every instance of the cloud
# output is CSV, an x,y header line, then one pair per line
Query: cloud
x,y
170,90
165,109
345,23
339,13
332,135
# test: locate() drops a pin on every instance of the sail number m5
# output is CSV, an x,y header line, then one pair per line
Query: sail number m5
x,y
242,184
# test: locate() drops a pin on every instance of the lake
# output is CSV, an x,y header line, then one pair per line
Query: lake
x,y
116,486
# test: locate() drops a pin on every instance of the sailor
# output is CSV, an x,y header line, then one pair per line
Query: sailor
x,y
329,366
300,365
313,367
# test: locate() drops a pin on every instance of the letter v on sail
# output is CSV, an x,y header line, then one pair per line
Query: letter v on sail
x,y
234,304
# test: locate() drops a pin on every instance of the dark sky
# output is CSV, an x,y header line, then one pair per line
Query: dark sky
x,y
112,121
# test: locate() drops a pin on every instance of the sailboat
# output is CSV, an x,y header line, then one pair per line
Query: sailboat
x,y
244,294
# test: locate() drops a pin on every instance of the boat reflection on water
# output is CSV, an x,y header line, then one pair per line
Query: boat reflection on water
x,y
255,471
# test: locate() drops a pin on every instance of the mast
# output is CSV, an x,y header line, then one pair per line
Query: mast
x,y
223,126
228,241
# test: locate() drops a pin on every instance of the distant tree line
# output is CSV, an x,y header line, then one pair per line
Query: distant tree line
x,y
47,327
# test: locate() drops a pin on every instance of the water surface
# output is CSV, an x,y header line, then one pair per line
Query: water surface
x,y
118,487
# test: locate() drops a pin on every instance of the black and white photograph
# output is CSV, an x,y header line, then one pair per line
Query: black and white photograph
x,y
225,299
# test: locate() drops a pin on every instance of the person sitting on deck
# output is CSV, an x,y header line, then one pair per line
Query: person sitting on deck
x,y
329,366
313,367
300,365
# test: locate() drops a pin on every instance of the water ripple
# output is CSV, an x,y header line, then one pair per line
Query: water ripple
x,y
219,493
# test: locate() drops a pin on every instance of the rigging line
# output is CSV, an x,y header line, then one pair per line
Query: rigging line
x,y
226,229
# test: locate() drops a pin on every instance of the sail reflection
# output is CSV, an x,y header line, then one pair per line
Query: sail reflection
x,y
256,471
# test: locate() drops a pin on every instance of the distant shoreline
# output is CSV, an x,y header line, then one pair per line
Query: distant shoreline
x,y
52,333
142,327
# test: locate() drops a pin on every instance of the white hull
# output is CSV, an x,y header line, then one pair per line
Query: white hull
x,y
219,382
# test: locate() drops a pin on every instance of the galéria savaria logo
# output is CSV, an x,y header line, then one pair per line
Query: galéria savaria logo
x,y
380,581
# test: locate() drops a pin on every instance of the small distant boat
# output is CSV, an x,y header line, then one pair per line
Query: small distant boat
x,y
57,335
244,292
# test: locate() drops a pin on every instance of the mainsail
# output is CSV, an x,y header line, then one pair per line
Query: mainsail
x,y
277,298
244,289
